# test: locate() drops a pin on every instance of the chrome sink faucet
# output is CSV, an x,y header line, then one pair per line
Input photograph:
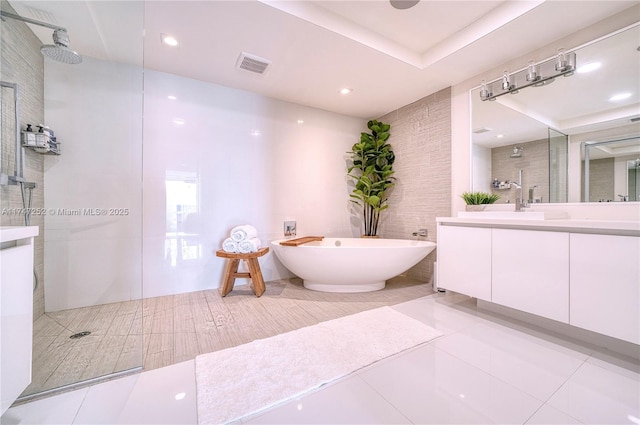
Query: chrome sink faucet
x,y
520,203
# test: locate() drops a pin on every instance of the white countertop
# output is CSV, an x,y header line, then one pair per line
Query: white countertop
x,y
13,233
607,227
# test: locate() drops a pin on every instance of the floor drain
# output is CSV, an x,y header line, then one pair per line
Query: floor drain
x,y
80,335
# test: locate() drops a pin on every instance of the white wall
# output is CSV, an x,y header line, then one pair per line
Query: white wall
x,y
481,166
289,171
215,162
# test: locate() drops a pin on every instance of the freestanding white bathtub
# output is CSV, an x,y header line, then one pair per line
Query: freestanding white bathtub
x,y
351,264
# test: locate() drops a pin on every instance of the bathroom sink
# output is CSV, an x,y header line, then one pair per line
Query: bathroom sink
x,y
514,215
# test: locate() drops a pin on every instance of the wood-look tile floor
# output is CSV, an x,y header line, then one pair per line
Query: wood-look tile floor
x,y
161,331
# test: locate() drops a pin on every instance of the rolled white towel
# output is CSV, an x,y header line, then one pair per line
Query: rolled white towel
x,y
249,245
246,231
229,245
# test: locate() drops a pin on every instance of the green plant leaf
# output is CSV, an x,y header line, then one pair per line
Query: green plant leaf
x,y
479,198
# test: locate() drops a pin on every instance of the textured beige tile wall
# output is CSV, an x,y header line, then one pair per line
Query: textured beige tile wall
x,y
633,179
421,140
534,164
23,64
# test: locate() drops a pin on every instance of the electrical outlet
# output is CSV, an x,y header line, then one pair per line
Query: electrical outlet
x,y
289,228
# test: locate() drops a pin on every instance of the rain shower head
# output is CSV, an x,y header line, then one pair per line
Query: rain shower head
x,y
60,51
517,152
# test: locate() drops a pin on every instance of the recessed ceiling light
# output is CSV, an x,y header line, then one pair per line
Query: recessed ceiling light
x,y
169,40
171,97
345,91
255,133
300,122
619,96
588,67
180,396
500,136
178,121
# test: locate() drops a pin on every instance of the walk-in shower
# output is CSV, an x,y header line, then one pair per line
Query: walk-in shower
x,y
76,255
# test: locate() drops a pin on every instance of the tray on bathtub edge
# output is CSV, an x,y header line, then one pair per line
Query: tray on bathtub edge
x,y
300,241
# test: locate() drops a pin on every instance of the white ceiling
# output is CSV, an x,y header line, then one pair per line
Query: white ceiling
x,y
389,57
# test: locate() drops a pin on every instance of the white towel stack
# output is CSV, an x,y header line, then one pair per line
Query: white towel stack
x,y
242,239
244,232
229,245
249,245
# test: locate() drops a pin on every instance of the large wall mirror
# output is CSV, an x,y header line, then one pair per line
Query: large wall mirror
x,y
573,139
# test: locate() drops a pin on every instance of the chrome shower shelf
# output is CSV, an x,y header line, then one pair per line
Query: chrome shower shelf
x,y
41,143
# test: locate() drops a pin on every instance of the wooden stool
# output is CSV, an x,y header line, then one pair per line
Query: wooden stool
x,y
231,270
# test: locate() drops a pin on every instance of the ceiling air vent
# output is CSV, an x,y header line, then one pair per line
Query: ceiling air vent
x,y
252,63
481,130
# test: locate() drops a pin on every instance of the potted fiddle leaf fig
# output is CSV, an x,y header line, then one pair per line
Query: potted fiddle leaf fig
x,y
372,170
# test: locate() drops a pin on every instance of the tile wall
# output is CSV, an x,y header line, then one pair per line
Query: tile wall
x,y
601,178
23,64
421,139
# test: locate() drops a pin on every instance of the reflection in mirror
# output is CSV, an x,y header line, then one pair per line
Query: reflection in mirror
x,y
605,170
551,123
558,165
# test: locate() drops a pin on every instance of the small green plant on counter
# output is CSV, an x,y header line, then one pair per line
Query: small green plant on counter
x,y
479,198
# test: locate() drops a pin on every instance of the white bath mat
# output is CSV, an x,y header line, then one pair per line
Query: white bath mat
x,y
246,379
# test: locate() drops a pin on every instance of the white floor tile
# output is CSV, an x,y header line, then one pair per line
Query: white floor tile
x,y
548,415
163,396
351,401
446,313
104,402
530,364
59,410
430,386
599,395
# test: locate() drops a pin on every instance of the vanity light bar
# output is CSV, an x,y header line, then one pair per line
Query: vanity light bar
x,y
535,74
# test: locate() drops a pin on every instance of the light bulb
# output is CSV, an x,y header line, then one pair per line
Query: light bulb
x,y
561,60
532,72
484,91
506,81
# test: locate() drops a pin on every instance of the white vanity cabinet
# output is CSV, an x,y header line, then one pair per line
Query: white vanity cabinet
x,y
605,285
580,272
530,273
464,260
16,311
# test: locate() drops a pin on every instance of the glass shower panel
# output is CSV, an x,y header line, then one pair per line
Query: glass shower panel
x,y
633,180
558,166
88,301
